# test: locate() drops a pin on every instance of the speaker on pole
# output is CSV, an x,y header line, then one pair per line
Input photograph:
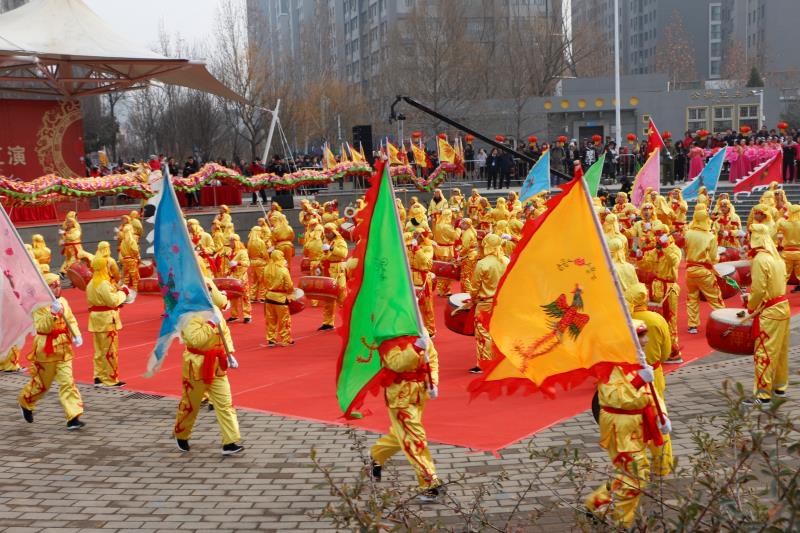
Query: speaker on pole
x,y
362,136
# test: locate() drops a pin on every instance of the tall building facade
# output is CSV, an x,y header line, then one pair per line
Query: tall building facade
x,y
8,5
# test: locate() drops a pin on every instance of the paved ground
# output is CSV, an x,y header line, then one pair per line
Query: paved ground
x,y
123,472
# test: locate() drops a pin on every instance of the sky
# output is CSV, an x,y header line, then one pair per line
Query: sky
x,y
139,20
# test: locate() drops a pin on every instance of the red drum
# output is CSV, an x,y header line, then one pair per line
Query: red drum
x,y
319,287
346,230
793,280
728,254
305,265
462,321
146,270
680,240
727,333
645,277
79,274
446,270
726,270
149,286
298,303
743,270
232,287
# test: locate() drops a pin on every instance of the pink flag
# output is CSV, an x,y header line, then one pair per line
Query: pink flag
x,y
16,322
22,281
649,176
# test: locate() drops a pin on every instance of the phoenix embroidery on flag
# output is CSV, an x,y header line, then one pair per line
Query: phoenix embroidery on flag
x,y
564,318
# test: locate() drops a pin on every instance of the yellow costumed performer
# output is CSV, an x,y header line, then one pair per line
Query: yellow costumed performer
x,y
445,237
701,256
421,260
40,251
239,264
728,226
664,262
203,244
70,241
130,258
468,249
768,302
105,301
136,224
334,255
282,235
485,279
789,230
258,255
280,291
225,221
52,358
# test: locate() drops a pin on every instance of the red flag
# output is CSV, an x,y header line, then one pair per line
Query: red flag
x,y
578,171
654,139
762,175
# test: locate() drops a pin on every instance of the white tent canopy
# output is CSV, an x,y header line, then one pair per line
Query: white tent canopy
x,y
61,47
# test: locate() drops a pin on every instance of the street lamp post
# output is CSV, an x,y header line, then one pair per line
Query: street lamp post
x,y
617,109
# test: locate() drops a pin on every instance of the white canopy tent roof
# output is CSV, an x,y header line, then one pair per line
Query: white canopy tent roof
x,y
61,47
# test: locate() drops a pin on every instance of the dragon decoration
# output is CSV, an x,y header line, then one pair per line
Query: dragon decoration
x,y
135,182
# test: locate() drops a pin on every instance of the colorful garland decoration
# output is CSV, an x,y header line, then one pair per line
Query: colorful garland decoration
x,y
438,175
51,187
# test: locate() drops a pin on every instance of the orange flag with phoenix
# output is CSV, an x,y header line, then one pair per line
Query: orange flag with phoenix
x,y
559,316
394,154
355,155
446,152
420,157
328,159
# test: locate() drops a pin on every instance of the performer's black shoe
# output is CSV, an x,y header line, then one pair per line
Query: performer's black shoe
x,y
232,448
324,327
375,471
247,320
74,424
674,360
183,445
97,382
796,288
475,370
779,393
210,406
429,495
693,331
27,414
752,402
118,384
232,319
271,344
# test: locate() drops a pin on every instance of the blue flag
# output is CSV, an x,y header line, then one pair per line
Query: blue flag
x,y
538,178
708,177
182,283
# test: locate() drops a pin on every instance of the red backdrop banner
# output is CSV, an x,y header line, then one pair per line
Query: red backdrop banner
x,y
40,137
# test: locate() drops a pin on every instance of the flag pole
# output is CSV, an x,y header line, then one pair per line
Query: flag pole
x,y
53,298
610,265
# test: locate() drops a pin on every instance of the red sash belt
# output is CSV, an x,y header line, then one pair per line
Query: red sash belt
x,y
51,337
102,308
445,245
217,354
756,327
657,364
420,375
650,430
64,247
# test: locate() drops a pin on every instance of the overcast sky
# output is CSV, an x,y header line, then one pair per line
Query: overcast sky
x,y
139,19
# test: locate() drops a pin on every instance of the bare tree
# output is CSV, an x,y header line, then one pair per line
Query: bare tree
x,y
675,57
734,64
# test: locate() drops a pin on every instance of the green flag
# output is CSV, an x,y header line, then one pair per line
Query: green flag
x,y
594,174
381,304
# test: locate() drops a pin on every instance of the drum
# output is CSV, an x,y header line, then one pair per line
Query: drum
x,y
346,230
79,274
793,280
725,332
728,254
146,269
645,277
726,270
232,286
305,265
148,286
680,240
743,270
446,270
462,321
655,307
298,303
319,287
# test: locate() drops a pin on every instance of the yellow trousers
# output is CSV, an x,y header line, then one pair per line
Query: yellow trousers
x,y
258,283
619,498
483,341
42,376
792,260
426,309
700,279
772,357
219,394
279,323
241,307
672,293
329,306
467,268
407,434
106,356
130,268
11,362
288,250
443,253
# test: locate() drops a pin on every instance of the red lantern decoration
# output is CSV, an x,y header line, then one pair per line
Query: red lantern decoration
x,y
562,139
666,135
702,133
783,125
597,138
532,138
500,138
631,138
469,137
442,136
416,134
744,129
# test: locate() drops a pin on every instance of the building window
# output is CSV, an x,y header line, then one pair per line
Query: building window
x,y
696,118
723,118
748,116
714,68
284,7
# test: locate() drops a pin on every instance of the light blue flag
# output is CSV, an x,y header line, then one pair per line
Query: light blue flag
x,y
538,178
182,283
708,177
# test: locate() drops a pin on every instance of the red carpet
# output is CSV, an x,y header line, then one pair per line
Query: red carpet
x,y
299,381
83,216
